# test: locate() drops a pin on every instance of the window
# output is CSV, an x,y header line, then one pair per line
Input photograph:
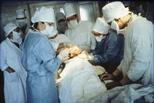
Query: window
x,y
86,12
62,10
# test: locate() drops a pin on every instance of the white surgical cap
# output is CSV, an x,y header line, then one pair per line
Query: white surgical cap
x,y
114,10
60,16
44,15
9,28
20,13
101,26
69,10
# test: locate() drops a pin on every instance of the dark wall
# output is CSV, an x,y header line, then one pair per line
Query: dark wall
x,y
1,87
2,37
1,73
146,8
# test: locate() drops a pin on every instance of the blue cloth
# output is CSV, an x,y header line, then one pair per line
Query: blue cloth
x,y
40,62
109,52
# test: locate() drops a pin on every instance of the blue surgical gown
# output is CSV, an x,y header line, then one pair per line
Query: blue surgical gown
x,y
40,62
109,52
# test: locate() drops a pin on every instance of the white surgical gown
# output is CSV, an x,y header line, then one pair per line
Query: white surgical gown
x,y
60,38
137,61
80,83
82,36
14,83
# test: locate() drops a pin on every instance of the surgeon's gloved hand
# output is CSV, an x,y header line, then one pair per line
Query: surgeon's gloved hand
x,y
63,55
91,57
94,59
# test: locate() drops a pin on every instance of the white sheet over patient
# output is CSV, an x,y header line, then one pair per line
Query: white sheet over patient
x,y
80,83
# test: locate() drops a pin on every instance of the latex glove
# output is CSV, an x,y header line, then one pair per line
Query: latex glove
x,y
91,57
64,55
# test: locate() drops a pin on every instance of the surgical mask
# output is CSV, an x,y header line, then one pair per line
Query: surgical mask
x,y
22,23
115,27
72,24
99,38
16,37
48,31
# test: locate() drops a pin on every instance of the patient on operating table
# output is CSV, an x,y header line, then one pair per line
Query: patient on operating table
x,y
69,51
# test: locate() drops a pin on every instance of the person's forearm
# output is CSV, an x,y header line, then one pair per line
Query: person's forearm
x,y
53,64
117,75
108,56
125,80
116,72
